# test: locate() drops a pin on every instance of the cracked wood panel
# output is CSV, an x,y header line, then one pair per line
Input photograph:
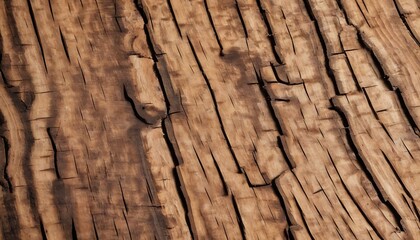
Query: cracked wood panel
x,y
209,119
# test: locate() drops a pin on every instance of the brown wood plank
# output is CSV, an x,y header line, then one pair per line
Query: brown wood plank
x,y
209,119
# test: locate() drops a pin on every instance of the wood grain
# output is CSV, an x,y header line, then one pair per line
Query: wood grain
x,y
209,119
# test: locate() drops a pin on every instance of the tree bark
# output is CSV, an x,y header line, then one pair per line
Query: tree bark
x,y
209,119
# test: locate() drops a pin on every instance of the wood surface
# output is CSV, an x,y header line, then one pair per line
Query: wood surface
x,y
209,119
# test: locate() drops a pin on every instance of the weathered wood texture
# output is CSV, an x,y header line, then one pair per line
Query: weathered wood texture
x,y
209,119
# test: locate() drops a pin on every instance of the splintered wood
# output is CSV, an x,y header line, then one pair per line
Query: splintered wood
x,y
209,119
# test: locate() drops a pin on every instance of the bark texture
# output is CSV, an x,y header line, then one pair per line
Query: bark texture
x,y
209,119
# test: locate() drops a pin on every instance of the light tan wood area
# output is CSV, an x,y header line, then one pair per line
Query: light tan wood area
x,y
209,119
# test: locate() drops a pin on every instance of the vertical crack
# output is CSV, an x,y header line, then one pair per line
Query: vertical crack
x,y
73,230
288,160
115,228
383,75
394,171
100,15
214,28
372,109
166,124
323,45
270,33
346,124
51,10
54,148
83,74
303,218
263,88
225,185
404,20
31,12
241,18
365,170
288,231
359,208
274,115
5,182
63,41
42,229
239,218
361,12
406,112
128,225
95,229
123,198
174,17
200,163
216,107
19,138
291,39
